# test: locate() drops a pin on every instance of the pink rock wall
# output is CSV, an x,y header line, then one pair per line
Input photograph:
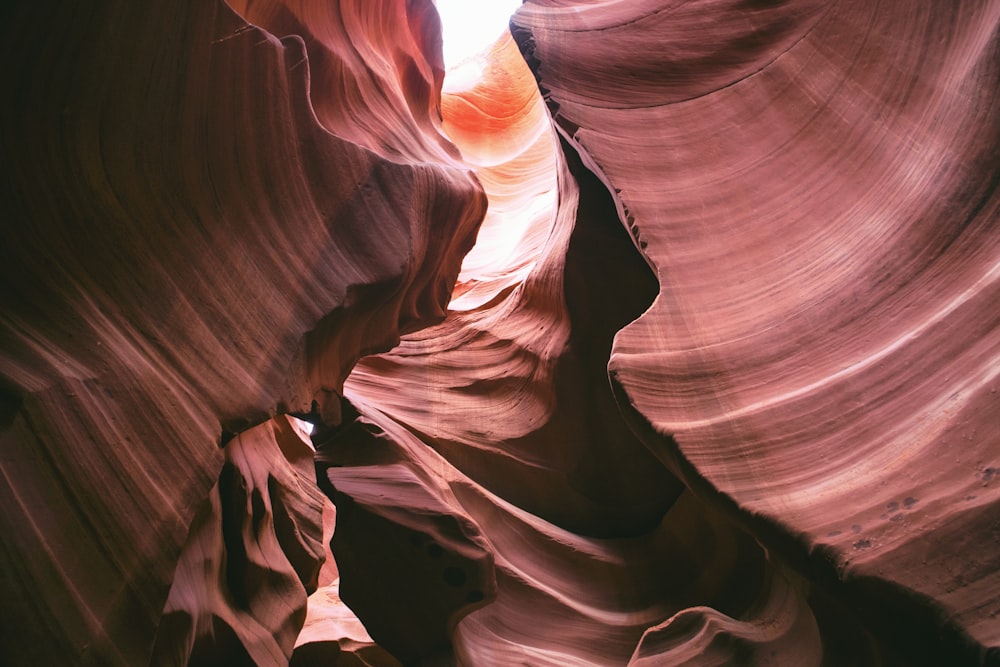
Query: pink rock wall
x,y
816,186
726,396
187,250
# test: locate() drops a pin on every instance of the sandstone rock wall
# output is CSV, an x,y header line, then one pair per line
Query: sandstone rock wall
x,y
188,249
717,385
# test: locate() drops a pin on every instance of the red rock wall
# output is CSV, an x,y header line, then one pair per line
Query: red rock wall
x,y
188,249
253,551
727,396
816,185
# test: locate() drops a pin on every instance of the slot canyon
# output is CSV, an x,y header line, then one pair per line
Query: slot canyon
x,y
661,332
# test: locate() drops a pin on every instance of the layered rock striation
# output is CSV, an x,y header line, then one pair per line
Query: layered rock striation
x,y
660,333
816,186
189,248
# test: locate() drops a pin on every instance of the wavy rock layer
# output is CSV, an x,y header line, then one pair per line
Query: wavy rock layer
x,y
716,385
253,553
191,245
491,108
482,386
816,185
597,553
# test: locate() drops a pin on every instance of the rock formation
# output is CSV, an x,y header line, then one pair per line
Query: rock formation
x,y
189,249
819,199
664,333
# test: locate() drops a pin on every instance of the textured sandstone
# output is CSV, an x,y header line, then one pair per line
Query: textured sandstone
x,y
253,552
187,250
815,184
716,385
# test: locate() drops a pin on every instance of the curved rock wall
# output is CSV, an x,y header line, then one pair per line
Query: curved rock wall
x,y
187,250
816,185
253,551
715,386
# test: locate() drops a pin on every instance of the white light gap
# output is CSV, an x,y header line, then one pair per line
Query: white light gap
x,y
471,26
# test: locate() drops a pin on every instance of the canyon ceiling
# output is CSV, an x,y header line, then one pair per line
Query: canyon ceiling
x,y
674,339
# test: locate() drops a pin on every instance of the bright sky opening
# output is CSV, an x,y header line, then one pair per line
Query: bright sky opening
x,y
470,26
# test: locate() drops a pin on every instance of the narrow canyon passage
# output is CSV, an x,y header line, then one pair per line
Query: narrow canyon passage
x,y
656,333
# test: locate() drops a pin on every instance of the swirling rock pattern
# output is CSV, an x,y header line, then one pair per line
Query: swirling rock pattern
x,y
716,385
253,553
491,108
816,185
187,249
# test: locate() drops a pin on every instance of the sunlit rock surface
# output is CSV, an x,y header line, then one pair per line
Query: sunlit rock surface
x,y
492,110
715,386
816,186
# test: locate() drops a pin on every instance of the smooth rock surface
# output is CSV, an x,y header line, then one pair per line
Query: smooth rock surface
x,y
816,185
189,247
716,384
252,555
